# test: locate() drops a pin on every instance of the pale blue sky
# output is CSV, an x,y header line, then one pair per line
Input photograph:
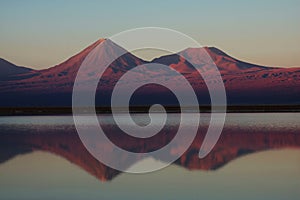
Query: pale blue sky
x,y
40,34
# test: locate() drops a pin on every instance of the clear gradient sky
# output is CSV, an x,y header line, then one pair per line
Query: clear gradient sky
x,y
40,34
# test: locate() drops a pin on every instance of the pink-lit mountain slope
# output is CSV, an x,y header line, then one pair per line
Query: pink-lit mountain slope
x,y
245,83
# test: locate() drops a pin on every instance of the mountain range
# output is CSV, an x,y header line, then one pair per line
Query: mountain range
x,y
245,83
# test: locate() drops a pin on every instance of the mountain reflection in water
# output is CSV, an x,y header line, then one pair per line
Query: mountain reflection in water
x,y
242,134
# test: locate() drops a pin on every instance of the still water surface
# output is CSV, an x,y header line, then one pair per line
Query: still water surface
x,y
257,157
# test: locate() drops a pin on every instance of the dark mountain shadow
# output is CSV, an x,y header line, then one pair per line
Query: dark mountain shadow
x,y
12,72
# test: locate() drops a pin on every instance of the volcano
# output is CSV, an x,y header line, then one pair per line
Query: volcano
x,y
245,83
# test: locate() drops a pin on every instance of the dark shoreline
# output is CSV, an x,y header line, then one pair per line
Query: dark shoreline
x,y
23,111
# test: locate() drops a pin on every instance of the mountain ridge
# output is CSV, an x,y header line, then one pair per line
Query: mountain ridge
x,y
245,83
10,71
